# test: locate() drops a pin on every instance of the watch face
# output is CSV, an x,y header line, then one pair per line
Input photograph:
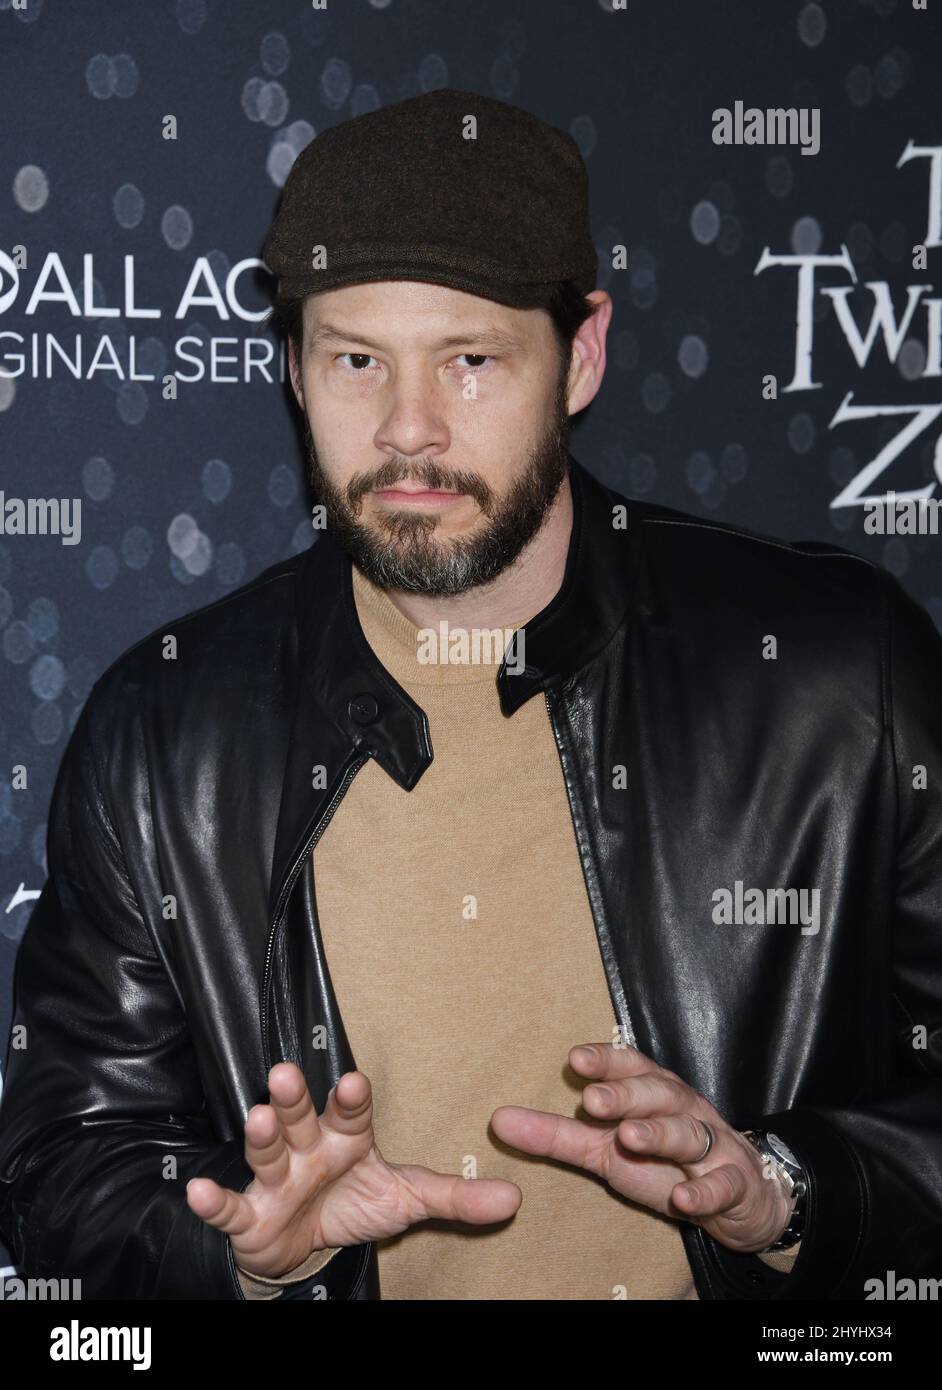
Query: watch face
x,y
781,1149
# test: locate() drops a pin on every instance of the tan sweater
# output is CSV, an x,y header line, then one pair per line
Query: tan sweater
x,y
464,956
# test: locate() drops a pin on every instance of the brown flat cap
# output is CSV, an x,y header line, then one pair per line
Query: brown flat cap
x,y
496,205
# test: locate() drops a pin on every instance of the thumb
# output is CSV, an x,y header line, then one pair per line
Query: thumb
x,y
453,1198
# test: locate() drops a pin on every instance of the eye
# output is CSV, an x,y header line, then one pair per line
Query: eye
x,y
481,358
360,357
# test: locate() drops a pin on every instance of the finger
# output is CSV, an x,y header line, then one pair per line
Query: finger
x,y
453,1198
554,1136
266,1152
650,1093
219,1206
604,1059
267,1148
291,1101
722,1189
349,1108
681,1138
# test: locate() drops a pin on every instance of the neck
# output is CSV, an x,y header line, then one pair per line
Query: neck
x,y
521,591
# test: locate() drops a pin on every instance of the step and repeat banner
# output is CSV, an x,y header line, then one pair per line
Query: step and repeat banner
x,y
766,192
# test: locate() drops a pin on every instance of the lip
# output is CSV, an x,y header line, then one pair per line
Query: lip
x,y
422,496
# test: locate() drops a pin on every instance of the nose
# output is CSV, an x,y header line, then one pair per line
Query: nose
x,y
414,421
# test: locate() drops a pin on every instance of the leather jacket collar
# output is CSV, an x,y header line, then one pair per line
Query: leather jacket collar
x,y
376,717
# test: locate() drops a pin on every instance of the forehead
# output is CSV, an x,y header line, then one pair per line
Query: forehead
x,y
418,309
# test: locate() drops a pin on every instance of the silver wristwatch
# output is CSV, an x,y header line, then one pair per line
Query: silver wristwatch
x,y
773,1149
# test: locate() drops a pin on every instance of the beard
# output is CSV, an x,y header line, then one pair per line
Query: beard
x,y
401,551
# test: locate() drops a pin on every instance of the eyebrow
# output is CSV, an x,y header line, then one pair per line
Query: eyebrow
x,y
326,333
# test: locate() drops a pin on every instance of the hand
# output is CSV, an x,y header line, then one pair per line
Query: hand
x,y
321,1181
730,1194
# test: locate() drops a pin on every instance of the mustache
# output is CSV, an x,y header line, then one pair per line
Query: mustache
x,y
426,471
429,473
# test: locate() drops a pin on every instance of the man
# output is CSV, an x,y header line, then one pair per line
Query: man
x,y
350,911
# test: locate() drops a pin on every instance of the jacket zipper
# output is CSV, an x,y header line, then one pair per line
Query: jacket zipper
x,y
626,1028
317,832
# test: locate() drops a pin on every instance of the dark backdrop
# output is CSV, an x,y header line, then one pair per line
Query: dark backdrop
x,y
118,244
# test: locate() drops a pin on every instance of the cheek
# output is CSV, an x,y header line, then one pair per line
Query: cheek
x,y
345,443
503,414
338,421
343,407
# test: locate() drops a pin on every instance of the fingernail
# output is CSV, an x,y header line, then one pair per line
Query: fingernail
x,y
605,1094
586,1055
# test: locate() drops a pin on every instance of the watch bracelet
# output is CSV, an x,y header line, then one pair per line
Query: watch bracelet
x,y
794,1228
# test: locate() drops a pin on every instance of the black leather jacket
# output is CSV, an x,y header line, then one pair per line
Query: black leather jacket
x,y
186,788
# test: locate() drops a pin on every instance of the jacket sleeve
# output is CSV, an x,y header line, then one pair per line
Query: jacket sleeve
x,y
875,1168
103,1117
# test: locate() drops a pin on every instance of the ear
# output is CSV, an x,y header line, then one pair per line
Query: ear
x,y
588,366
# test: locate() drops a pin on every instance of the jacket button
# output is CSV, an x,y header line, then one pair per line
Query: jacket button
x,y
363,710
